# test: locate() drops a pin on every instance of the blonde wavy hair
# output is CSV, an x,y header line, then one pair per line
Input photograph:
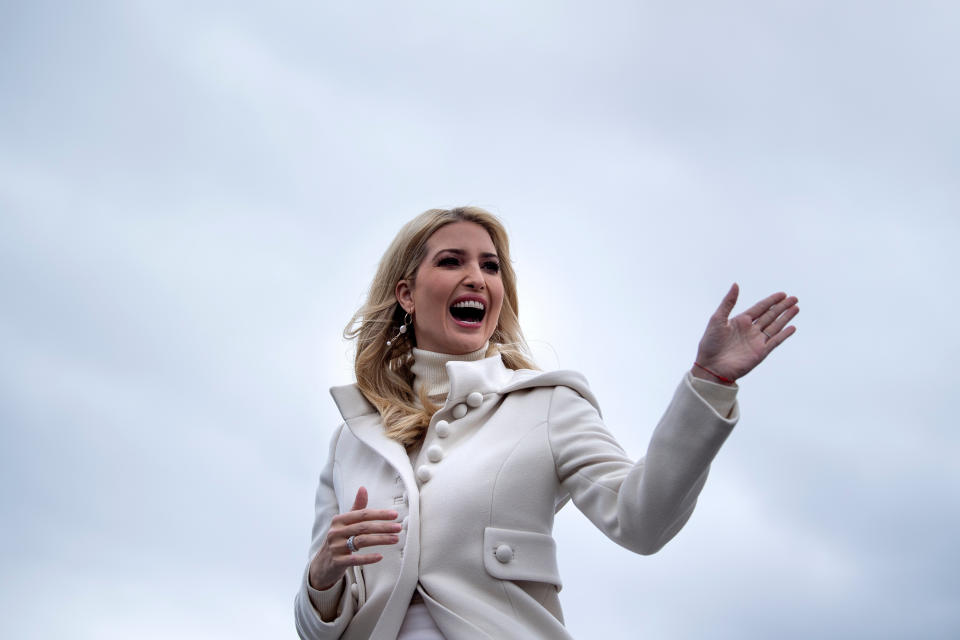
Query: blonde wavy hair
x,y
383,372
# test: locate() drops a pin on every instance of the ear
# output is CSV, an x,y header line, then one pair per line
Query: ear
x,y
404,293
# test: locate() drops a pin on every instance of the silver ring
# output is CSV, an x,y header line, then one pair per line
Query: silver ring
x,y
350,545
766,334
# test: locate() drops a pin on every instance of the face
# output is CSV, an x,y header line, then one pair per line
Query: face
x,y
456,296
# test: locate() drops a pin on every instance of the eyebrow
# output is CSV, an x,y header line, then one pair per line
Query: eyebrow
x,y
461,252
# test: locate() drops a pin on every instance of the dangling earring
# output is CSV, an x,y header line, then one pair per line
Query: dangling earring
x,y
402,330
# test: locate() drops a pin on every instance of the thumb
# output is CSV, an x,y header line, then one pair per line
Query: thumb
x,y
729,302
361,501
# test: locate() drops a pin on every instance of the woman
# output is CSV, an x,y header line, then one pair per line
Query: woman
x,y
435,508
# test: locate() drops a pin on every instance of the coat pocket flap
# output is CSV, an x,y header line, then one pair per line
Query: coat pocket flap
x,y
511,554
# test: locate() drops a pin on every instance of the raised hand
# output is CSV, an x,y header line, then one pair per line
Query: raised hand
x,y
732,347
369,528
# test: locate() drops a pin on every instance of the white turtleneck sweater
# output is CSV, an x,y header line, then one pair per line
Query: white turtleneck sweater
x,y
430,369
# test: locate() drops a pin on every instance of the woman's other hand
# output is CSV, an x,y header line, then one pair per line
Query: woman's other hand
x,y
732,347
370,528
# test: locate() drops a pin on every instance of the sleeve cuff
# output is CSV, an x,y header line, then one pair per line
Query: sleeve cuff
x,y
326,601
721,397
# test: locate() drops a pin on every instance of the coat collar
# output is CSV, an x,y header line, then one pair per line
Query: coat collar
x,y
486,376
489,375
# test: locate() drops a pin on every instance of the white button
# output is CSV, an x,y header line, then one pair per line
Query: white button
x,y
434,454
403,523
443,428
459,411
424,473
355,590
504,553
475,399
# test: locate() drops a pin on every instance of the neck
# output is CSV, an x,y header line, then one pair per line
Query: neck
x,y
430,370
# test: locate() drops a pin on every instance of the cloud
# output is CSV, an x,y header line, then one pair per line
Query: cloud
x,y
194,201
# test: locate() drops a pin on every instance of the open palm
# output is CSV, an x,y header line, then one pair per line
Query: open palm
x,y
732,347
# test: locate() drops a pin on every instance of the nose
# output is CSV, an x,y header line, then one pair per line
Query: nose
x,y
474,279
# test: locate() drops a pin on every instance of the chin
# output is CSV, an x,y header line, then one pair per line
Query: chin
x,y
465,344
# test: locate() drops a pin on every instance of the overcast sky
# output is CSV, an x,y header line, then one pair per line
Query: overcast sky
x,y
194,196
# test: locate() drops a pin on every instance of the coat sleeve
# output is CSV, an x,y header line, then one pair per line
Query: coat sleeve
x,y
640,506
310,626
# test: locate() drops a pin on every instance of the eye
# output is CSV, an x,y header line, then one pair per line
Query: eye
x,y
448,261
492,266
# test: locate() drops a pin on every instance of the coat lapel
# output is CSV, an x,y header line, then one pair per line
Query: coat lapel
x,y
364,423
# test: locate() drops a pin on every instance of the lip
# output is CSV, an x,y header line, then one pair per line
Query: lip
x,y
469,325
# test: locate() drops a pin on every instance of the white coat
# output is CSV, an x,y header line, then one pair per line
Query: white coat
x,y
503,454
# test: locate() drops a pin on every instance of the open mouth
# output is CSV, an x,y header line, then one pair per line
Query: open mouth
x,y
468,312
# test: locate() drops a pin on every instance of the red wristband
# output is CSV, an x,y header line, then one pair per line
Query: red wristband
x,y
715,375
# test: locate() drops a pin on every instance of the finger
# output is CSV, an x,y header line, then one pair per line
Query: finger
x,y
782,320
358,559
367,527
729,302
361,500
778,339
364,515
761,307
374,540
773,312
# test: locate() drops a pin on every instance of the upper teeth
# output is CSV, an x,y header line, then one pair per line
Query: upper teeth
x,y
476,304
